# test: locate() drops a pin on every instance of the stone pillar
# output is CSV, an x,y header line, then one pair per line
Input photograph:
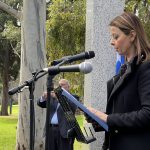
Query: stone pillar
x,y
99,14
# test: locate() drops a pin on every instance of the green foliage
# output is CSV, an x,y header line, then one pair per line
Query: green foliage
x,y
142,9
65,28
10,37
13,60
66,35
147,29
13,34
0,86
76,82
16,4
9,50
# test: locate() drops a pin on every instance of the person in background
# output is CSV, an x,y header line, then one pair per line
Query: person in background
x,y
58,126
128,93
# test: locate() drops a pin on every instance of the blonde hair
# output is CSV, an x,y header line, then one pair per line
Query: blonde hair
x,y
128,22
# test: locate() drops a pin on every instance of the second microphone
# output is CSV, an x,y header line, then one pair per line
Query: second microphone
x,y
84,67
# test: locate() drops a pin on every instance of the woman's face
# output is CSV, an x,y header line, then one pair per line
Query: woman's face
x,y
122,43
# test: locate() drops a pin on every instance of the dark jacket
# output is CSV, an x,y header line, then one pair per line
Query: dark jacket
x,y
128,109
63,126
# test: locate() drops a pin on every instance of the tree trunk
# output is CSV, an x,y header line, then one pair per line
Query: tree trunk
x,y
4,107
32,59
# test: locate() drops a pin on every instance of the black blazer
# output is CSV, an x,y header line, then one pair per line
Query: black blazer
x,y
128,109
63,126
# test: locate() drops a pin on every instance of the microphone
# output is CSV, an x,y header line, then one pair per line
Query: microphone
x,y
17,89
84,67
69,59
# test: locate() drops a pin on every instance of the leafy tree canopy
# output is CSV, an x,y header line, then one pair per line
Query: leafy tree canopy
x,y
65,28
10,37
66,34
142,9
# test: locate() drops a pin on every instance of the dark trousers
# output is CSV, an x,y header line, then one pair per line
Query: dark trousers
x,y
57,142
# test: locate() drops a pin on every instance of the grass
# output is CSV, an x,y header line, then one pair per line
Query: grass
x,y
77,145
8,130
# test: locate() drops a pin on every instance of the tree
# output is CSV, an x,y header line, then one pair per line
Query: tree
x,y
32,59
142,9
9,67
66,27
9,61
66,34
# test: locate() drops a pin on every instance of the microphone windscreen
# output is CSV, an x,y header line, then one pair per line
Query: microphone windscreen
x,y
85,67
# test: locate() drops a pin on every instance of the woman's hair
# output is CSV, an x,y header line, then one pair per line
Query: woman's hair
x,y
128,22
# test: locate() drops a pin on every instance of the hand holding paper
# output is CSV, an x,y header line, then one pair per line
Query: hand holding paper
x,y
99,114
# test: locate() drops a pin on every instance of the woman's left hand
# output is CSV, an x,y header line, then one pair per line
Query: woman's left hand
x,y
99,114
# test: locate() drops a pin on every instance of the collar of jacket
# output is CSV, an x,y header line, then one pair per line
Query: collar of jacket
x,y
125,71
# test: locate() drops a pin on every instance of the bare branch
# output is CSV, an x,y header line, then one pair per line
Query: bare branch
x,y
10,10
15,51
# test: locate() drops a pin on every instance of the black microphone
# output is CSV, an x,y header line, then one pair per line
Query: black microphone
x,y
17,89
69,59
84,67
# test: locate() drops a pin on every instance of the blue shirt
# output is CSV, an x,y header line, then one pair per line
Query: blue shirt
x,y
54,119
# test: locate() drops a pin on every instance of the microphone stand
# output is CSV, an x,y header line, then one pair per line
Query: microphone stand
x,y
32,115
31,84
50,87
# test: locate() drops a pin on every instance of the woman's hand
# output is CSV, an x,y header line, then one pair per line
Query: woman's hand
x,y
99,114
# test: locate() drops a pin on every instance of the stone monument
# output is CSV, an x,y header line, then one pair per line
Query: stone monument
x,y
99,14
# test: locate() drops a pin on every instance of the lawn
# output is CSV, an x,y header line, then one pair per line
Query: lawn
x,y
8,130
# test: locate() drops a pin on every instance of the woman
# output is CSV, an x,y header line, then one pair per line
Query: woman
x,y
128,104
